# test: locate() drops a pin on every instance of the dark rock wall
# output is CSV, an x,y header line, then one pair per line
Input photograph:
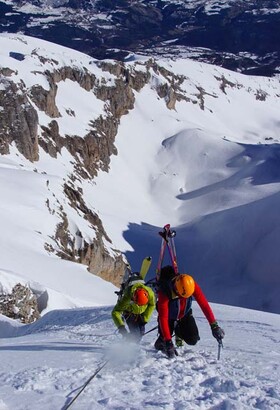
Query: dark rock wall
x,y
19,124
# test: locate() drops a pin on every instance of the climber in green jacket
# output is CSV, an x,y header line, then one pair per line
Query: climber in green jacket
x,y
135,309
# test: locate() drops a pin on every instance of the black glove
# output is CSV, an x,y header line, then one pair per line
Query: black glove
x,y
122,331
142,330
217,331
170,349
141,324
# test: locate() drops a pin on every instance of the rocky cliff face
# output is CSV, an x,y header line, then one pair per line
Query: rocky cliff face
x,y
22,109
18,118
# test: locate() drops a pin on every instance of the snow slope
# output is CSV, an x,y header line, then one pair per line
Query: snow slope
x,y
44,365
212,173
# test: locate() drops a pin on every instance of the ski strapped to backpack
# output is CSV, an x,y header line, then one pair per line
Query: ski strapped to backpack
x,y
130,278
146,263
167,241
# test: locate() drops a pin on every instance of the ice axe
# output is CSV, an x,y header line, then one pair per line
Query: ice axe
x,y
220,345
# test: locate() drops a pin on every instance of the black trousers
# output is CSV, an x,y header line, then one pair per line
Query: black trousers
x,y
185,328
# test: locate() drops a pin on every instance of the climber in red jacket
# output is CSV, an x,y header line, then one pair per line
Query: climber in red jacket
x,y
175,293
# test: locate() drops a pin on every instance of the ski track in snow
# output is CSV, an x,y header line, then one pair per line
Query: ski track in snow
x,y
48,364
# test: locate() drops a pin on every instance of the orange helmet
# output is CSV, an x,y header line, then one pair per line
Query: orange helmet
x,y
184,285
140,297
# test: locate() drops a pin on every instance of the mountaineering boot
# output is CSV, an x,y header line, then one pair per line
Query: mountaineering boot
x,y
159,344
178,341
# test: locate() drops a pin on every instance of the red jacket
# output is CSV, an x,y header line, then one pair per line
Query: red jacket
x,y
175,308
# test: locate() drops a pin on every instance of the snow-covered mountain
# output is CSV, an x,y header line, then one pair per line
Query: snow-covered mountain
x,y
241,35
99,155
96,156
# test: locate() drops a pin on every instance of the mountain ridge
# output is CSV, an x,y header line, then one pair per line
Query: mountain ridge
x,y
241,36
189,139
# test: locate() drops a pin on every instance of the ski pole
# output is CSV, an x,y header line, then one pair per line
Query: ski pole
x,y
220,345
86,383
154,328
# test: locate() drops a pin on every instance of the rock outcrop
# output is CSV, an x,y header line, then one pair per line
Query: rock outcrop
x,y
21,108
95,255
20,304
18,119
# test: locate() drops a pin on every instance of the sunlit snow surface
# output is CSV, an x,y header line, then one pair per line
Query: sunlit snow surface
x,y
43,366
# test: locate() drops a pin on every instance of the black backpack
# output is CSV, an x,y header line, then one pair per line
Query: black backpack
x,y
129,279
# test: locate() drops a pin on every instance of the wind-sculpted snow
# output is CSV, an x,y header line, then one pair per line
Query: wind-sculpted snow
x,y
48,363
